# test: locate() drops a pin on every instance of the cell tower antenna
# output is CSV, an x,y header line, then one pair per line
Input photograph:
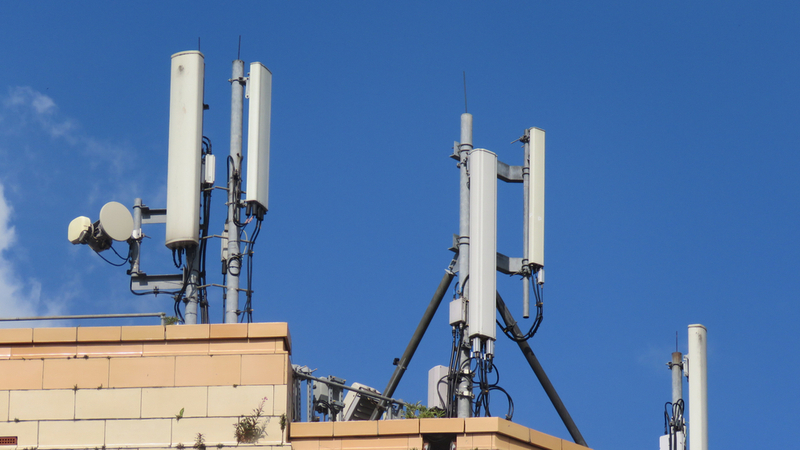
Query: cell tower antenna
x,y
198,43
239,51
465,91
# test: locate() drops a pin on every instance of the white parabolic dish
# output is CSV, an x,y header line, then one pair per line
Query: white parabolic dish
x,y
117,221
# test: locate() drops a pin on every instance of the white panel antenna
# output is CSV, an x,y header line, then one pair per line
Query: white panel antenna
x,y
535,251
185,149
258,131
483,247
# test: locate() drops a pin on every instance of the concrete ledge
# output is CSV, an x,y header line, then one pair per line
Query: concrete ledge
x,y
480,432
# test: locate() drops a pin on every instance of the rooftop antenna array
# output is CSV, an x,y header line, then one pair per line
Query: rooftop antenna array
x,y
191,177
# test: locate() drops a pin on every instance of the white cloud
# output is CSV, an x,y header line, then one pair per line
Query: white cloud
x,y
18,297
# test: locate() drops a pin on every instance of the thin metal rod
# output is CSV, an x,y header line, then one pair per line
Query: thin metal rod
x,y
192,288
234,262
444,285
540,374
84,316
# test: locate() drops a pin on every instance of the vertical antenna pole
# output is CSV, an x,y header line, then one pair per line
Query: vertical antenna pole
x,y
465,386
234,262
192,293
677,376
698,388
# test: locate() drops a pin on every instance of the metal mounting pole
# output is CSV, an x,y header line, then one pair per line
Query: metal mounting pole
x,y
676,366
464,403
508,319
192,292
402,364
234,261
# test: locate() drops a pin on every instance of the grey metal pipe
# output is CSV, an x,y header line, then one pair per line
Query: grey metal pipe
x,y
464,402
234,262
540,374
444,285
192,295
677,376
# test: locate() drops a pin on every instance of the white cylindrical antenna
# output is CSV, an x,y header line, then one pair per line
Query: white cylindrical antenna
x,y
698,388
464,406
483,246
185,149
258,130
535,251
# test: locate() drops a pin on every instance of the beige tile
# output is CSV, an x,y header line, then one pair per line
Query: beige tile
x,y
16,335
228,330
72,433
482,424
267,330
21,374
169,401
387,443
49,335
27,433
356,428
312,429
4,405
567,445
544,441
240,347
108,403
483,441
143,333
416,442
232,401
464,442
223,370
175,348
514,430
452,425
215,430
399,426
264,369
5,352
182,332
135,432
98,350
99,334
154,371
80,372
311,444
273,433
330,444
281,400
51,404
44,351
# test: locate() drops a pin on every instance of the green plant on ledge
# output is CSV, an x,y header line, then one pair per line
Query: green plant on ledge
x,y
248,429
420,411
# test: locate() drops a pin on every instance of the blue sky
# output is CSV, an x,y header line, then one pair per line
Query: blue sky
x,y
672,187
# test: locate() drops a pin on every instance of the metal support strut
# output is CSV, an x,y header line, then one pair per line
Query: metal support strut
x,y
402,364
508,319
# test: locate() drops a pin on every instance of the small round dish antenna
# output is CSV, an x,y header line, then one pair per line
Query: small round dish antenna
x,y
116,221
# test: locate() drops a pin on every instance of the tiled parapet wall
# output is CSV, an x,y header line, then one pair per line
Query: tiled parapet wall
x,y
142,386
481,433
